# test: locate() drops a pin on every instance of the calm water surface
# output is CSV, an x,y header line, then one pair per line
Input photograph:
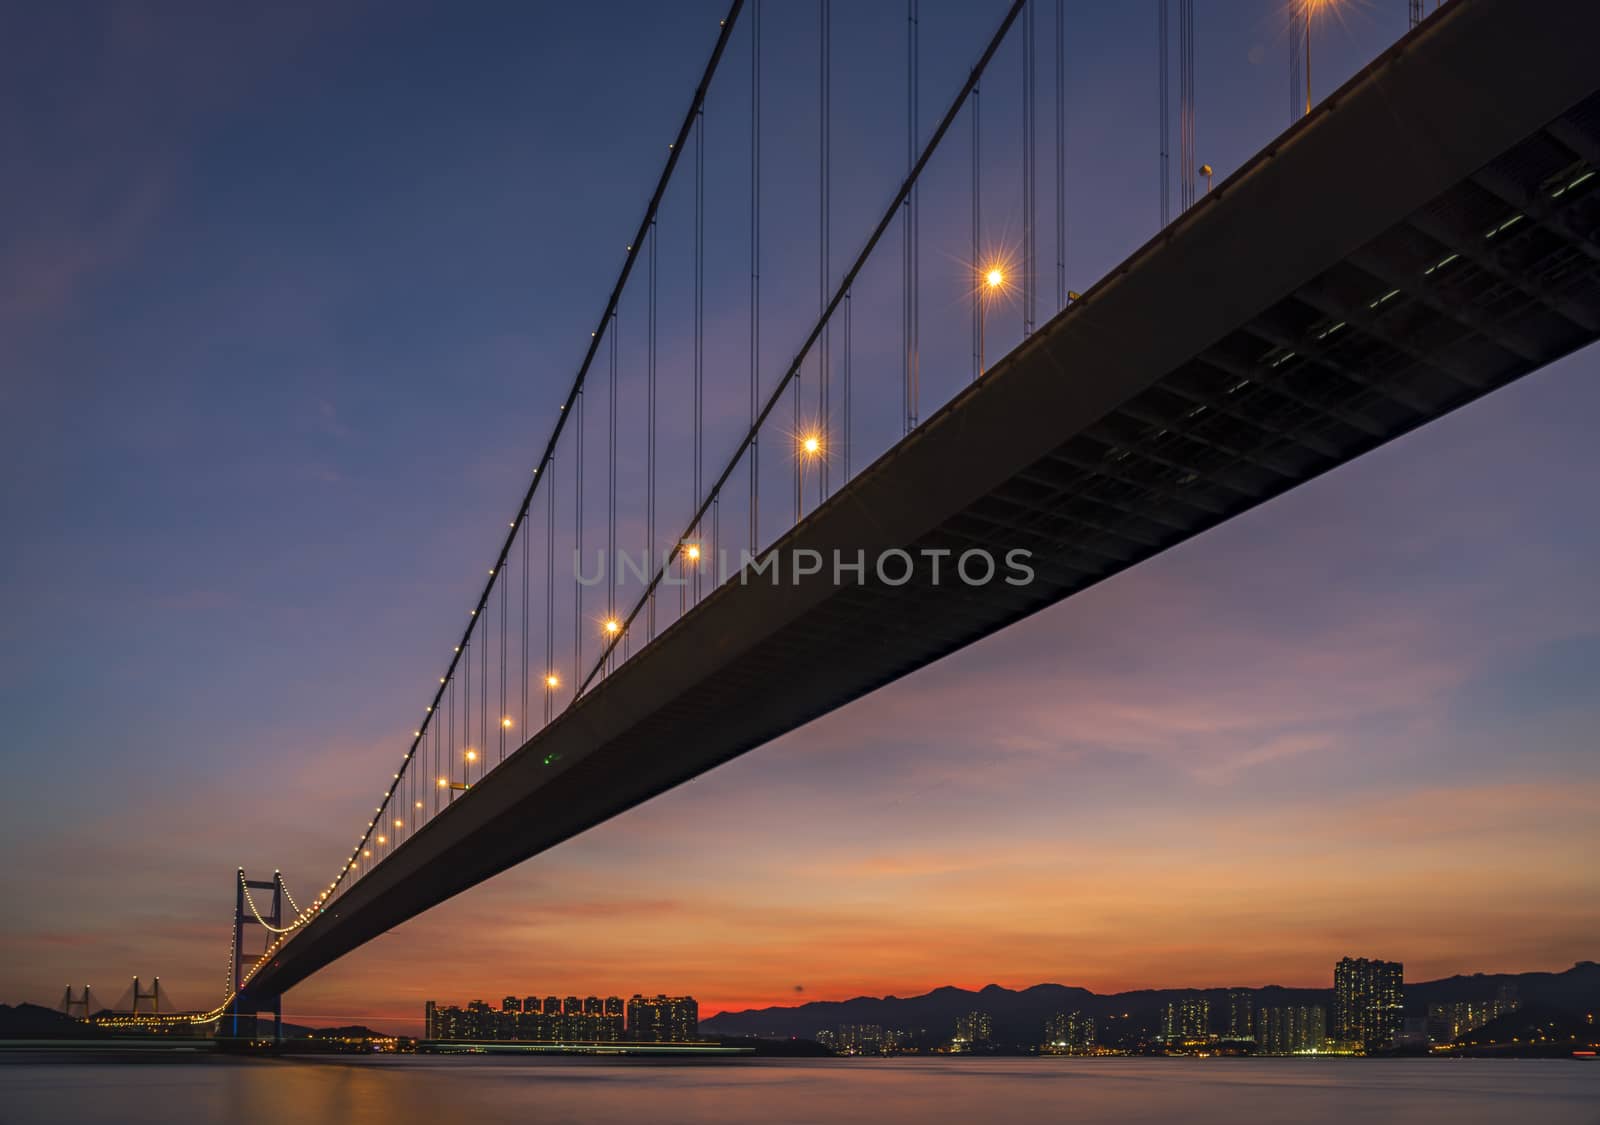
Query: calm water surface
x,y
440,1091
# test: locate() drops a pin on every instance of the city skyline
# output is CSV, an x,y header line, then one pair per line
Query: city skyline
x,y
1356,717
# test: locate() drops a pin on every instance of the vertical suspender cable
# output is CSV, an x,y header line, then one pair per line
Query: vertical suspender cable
x,y
611,481
755,272
699,324
527,534
650,428
845,421
1186,146
796,437
1161,94
824,422
577,524
913,233
500,718
1061,155
550,688
483,694
1296,14
977,227
1030,279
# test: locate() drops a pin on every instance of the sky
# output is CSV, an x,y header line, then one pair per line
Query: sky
x,y
288,300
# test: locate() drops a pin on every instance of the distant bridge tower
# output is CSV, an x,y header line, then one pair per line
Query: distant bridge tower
x,y
247,912
80,1007
154,996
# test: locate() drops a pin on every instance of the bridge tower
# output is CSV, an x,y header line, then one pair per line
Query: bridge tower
x,y
154,996
246,912
78,1004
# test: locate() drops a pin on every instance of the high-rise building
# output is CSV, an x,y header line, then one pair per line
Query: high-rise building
x,y
511,1004
1448,1022
972,1030
1068,1033
430,1012
1290,1031
1239,1009
552,1006
859,1039
591,1006
1368,1002
663,1019
448,1023
613,1006
532,1004
1186,1020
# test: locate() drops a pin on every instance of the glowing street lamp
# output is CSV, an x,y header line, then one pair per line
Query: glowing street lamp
x,y
992,283
552,681
1309,9
612,626
505,722
811,445
472,755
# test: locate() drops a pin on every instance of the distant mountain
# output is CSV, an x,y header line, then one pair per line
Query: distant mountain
x,y
1019,1016
1533,1024
1576,990
30,1021
353,1031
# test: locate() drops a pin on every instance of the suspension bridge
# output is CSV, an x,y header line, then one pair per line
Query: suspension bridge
x,y
1289,318
138,1008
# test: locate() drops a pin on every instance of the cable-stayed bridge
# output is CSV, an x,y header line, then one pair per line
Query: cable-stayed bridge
x,y
1424,235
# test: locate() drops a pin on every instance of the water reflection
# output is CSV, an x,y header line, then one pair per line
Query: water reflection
x,y
394,1090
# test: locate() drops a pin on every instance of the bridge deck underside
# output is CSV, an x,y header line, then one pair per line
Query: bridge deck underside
x,y
1425,318
1124,427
